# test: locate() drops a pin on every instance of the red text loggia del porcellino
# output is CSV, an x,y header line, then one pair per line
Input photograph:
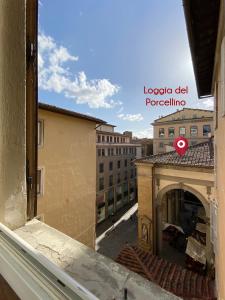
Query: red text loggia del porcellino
x,y
149,101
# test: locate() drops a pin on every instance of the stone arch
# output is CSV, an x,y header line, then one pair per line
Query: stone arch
x,y
159,199
170,187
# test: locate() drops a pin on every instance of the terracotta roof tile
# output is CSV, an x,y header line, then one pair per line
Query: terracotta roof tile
x,y
172,277
199,155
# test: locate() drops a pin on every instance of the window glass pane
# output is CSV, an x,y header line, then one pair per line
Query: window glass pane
x,y
206,130
182,130
171,131
101,167
39,182
161,132
40,132
194,130
101,184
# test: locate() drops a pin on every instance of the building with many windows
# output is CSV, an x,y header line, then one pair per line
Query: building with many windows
x,y
146,145
116,173
194,124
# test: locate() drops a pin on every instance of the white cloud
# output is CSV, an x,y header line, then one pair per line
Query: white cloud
x,y
145,133
55,77
208,103
130,117
120,110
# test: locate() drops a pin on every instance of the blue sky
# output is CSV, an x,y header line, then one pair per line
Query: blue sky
x,y
96,56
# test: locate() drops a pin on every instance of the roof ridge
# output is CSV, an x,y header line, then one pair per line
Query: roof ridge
x,y
71,113
185,108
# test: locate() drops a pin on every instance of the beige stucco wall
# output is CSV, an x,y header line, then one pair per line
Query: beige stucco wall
x,y
12,113
220,163
68,159
145,203
154,182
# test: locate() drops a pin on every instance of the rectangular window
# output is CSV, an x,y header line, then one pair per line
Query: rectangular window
x,y
110,180
103,138
99,152
206,130
118,164
110,139
112,151
114,139
40,132
101,183
107,138
125,175
131,173
99,139
161,132
193,130
110,166
118,139
108,150
171,132
40,182
101,167
182,131
103,152
125,163
161,145
118,178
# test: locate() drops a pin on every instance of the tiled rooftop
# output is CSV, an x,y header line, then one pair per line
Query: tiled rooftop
x,y
199,155
182,282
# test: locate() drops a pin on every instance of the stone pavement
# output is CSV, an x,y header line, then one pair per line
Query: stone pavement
x,y
111,242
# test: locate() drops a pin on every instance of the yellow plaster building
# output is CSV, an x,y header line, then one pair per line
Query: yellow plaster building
x,y
67,172
169,185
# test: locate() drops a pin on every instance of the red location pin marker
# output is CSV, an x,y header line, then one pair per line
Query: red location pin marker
x,y
181,145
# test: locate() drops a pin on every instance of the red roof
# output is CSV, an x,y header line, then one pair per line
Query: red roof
x,y
199,155
171,277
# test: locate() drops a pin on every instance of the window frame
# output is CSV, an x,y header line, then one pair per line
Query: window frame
x,y
100,180
162,135
169,135
161,143
206,135
181,134
41,184
191,127
111,164
111,181
40,133
101,167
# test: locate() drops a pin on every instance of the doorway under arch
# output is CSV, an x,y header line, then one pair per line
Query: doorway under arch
x,y
179,212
